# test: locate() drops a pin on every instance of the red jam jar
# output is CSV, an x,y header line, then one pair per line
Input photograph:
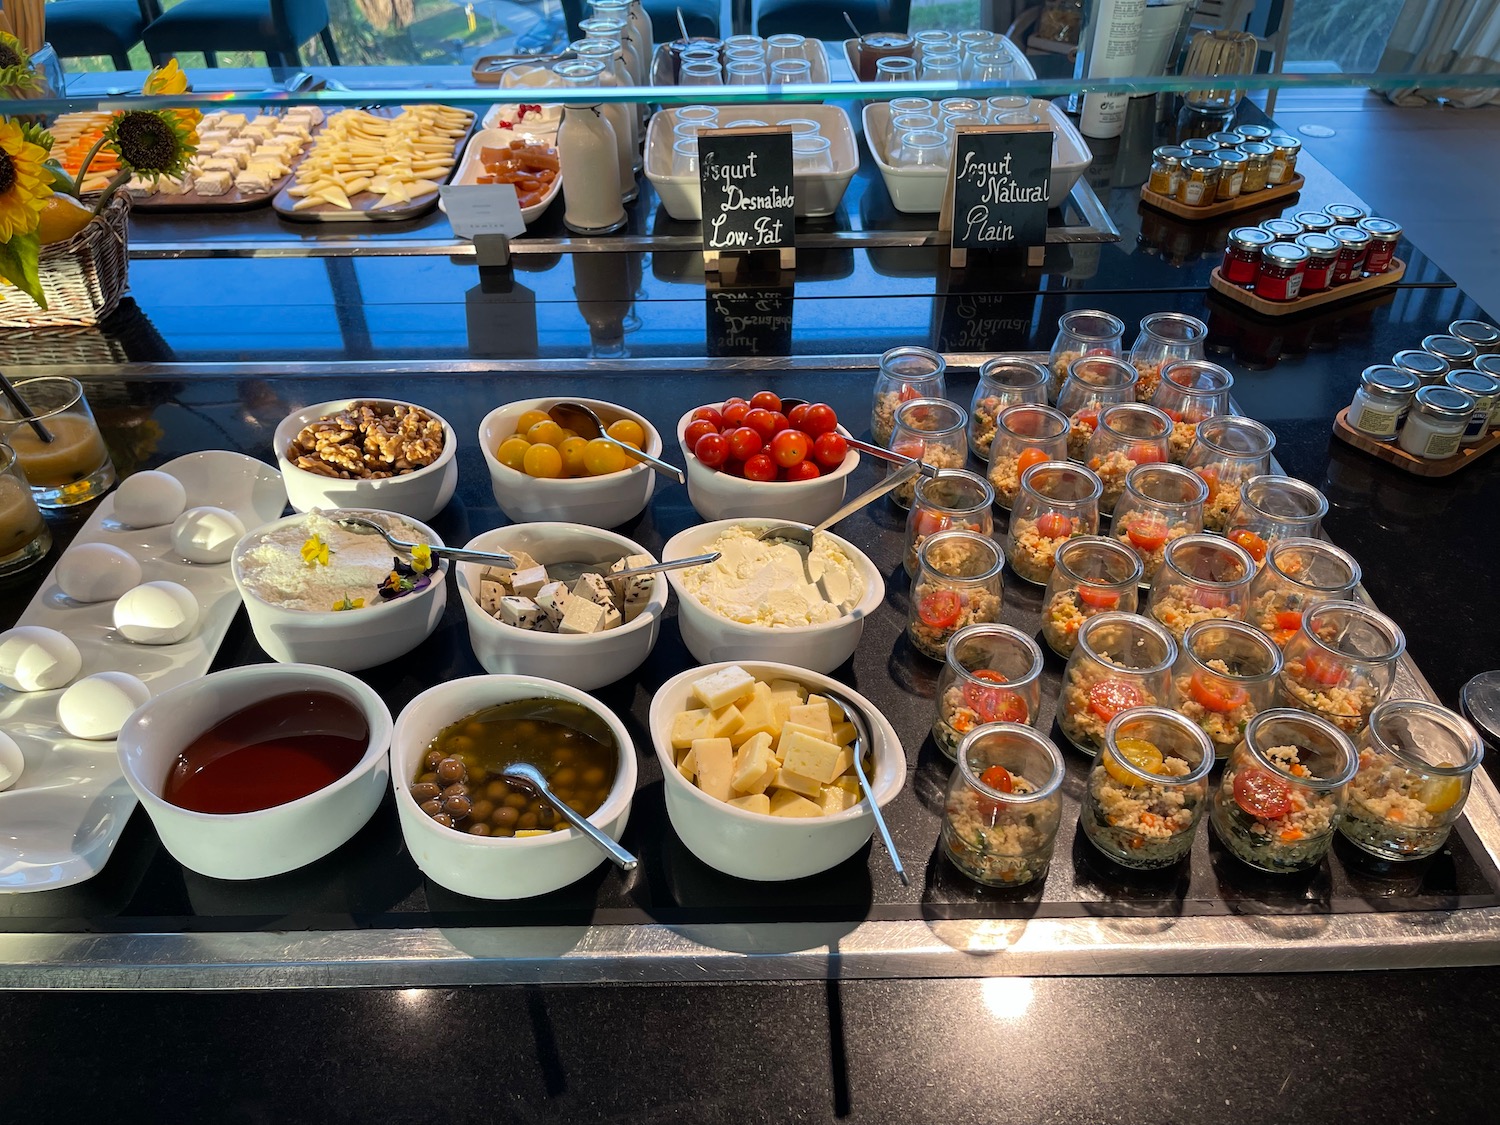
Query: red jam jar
x,y
1316,221
1322,256
1354,245
1242,255
1282,230
1280,277
1384,234
1346,214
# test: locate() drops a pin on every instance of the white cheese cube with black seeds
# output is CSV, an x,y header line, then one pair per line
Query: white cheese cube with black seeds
x,y
490,596
635,590
552,600
520,612
592,587
583,616
528,583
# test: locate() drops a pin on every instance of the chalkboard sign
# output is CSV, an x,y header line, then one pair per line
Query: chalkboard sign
x,y
998,188
743,322
745,176
985,322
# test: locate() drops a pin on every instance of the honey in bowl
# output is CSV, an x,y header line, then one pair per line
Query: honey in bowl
x,y
269,753
458,780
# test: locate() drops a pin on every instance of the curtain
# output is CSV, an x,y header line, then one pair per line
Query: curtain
x,y
1444,37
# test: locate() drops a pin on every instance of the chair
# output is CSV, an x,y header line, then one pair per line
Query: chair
x,y
701,17
824,19
83,28
277,27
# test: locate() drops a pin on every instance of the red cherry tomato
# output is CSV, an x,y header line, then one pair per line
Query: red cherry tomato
x,y
1088,416
797,416
709,414
1210,599
1210,477
781,420
1097,598
1288,620
994,704
765,400
998,778
1108,698
1053,525
925,523
696,429
1321,669
1262,794
802,470
790,447
820,419
762,422
712,450
1028,458
1253,543
940,609
760,467
909,392
744,443
1143,453
734,412
1175,415
830,449
1148,532
1214,694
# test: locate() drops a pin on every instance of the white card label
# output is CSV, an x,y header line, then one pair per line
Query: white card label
x,y
482,209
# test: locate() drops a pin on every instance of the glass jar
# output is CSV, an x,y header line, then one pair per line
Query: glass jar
x,y
957,584
1273,508
1225,675
25,537
1004,381
1229,450
1280,276
1231,174
930,430
1341,663
1482,336
1057,502
1345,214
1483,389
1200,146
882,45
951,499
1129,434
1435,427
991,674
1416,760
1490,365
1202,578
1384,234
1094,382
1147,789
1284,152
1164,338
1322,257
1199,186
1000,832
1456,353
1161,504
1314,222
1190,391
1282,230
1091,575
1354,246
1083,332
1298,572
1428,367
905,373
1166,169
1121,661
1257,166
1242,255
1025,435
1226,140
1256,133
1382,400
1283,791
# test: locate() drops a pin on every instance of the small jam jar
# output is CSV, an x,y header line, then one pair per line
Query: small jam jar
x,y
1322,256
1231,173
1283,158
1435,427
1345,214
1226,140
1257,165
1483,389
1490,365
1280,276
1242,255
1482,336
1453,351
1384,234
1354,245
1318,222
1200,147
1282,230
1166,169
1428,367
1200,181
1380,405
1252,132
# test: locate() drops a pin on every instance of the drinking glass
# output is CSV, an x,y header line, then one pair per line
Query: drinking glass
x,y
896,69
811,156
787,72
704,115
923,150
701,74
942,68
787,46
685,156
989,66
24,536
74,467
743,73
1003,104
910,105
802,127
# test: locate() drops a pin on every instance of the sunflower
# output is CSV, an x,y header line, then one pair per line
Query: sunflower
x,y
151,142
169,79
23,186
15,67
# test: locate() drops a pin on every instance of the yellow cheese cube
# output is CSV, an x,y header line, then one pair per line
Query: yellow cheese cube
x,y
715,761
791,729
844,733
756,717
782,703
688,765
724,722
690,725
850,784
810,756
836,799
835,712
814,716
754,766
792,687
797,783
787,803
726,686
845,763
754,802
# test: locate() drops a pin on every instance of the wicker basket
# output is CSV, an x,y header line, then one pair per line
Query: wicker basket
x,y
83,278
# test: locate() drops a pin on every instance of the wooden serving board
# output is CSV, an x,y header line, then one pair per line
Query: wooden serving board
x,y
232,200
1393,454
1227,207
1343,292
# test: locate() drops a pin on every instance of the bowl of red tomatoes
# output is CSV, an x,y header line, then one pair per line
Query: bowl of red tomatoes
x,y
749,457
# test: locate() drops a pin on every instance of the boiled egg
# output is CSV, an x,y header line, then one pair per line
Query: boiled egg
x,y
157,613
207,534
97,706
97,572
149,499
35,658
12,762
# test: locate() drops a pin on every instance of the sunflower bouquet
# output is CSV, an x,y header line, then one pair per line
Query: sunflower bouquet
x,y
41,204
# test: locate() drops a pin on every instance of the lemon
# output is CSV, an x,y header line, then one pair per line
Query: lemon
x,y
63,216
1141,754
512,453
543,460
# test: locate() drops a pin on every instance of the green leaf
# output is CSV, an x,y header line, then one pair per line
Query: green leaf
x,y
18,266
37,135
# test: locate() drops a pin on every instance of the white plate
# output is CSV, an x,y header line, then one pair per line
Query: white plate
x,y
813,50
61,821
494,114
470,168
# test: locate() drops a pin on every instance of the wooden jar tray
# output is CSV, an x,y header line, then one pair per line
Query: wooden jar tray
x,y
1227,207
1343,292
1393,454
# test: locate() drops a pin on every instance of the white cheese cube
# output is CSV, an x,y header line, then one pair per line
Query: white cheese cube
x,y
613,619
813,757
552,600
528,583
520,612
498,574
490,596
582,617
592,587
726,686
715,760
635,590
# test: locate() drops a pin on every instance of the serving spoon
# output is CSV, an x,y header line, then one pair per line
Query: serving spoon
x,y
529,777
861,738
360,525
877,451
586,424
802,535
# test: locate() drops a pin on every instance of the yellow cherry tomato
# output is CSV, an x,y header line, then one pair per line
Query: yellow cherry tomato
x,y
627,430
1439,794
603,457
573,462
1141,754
512,453
529,419
546,433
543,460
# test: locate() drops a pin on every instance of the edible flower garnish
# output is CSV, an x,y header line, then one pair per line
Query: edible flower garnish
x,y
315,551
403,579
421,558
348,603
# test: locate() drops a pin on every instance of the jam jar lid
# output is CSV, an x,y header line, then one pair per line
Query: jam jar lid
x,y
1225,140
1315,220
1421,363
1228,156
1386,230
1489,364
1389,379
1439,401
1284,141
1281,228
1476,383
1346,212
1351,236
1451,348
1199,145
1477,332
1255,148
1316,243
1168,153
1202,163
1251,238
1255,132
1285,254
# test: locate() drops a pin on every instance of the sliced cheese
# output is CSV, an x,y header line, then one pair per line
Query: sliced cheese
x,y
715,765
810,756
814,716
789,804
726,686
754,766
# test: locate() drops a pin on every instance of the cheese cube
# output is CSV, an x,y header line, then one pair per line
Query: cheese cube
x,y
787,803
715,766
688,765
612,616
814,716
690,725
727,685
836,799
844,733
552,600
754,802
528,583
593,588
797,783
811,756
754,766
792,687
582,616
490,595
519,612
795,728
756,717
782,703
835,712
500,574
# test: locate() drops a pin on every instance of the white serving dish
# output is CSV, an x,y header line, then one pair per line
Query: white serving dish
x,y
584,662
420,494
253,845
547,127
350,640
711,638
817,195
499,867
525,76
64,816
606,501
720,496
814,51
470,167
1024,70
920,192
754,845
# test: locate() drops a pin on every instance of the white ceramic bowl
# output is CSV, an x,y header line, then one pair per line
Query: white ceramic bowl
x,y
348,639
722,496
584,662
271,841
754,845
711,638
421,494
497,867
606,501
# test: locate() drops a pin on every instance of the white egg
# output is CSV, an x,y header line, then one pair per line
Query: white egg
x,y
149,499
206,535
34,658
12,762
97,572
97,706
156,613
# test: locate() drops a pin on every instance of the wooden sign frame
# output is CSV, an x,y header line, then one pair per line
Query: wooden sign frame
x,y
728,262
958,257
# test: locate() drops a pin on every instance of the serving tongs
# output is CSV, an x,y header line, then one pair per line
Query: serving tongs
x,y
361,526
879,452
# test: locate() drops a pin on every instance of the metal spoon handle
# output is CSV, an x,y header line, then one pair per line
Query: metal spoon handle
x,y
874,492
671,564
617,854
463,554
884,454
885,833
665,468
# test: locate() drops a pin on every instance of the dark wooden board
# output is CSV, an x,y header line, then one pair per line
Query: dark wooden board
x,y
1242,202
1343,292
